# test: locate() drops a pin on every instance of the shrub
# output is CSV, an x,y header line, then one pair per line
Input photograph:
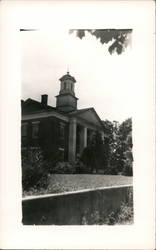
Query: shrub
x,y
93,156
123,215
82,168
64,168
34,170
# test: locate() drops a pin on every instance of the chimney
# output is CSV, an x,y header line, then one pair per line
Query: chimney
x,y
44,99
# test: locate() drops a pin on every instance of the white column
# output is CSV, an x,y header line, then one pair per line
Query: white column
x,y
72,140
83,139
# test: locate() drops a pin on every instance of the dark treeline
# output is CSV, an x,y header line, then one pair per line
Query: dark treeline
x,y
114,154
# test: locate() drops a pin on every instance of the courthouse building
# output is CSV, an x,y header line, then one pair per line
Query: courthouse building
x,y
63,129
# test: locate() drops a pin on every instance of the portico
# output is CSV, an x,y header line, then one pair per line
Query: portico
x,y
81,131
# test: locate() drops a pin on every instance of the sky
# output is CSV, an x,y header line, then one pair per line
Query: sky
x,y
103,81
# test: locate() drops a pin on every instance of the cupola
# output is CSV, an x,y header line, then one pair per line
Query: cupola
x,y
66,100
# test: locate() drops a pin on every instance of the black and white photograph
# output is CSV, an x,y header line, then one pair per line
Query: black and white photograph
x,y
76,148
77,141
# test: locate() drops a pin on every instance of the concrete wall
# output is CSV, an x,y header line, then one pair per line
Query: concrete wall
x,y
76,208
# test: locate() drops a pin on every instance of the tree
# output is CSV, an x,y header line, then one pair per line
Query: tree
x,y
114,154
125,137
93,154
119,38
118,147
108,143
111,145
121,158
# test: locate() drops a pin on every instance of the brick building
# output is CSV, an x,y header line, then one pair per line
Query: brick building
x,y
63,129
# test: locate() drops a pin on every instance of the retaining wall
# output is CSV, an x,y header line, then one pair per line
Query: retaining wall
x,y
74,208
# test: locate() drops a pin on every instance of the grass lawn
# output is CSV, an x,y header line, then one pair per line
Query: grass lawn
x,y
71,182
60,183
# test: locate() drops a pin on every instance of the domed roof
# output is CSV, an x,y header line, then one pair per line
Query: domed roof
x,y
66,77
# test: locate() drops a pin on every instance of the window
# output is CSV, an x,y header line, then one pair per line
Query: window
x,y
61,130
65,85
35,129
24,129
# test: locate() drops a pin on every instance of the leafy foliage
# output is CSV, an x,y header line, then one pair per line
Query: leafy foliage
x,y
114,155
32,170
120,38
123,154
82,168
121,158
122,216
93,154
35,169
109,145
64,168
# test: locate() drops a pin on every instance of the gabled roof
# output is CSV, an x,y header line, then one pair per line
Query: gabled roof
x,y
88,114
79,111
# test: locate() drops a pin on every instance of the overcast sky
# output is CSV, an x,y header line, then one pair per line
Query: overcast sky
x,y
103,81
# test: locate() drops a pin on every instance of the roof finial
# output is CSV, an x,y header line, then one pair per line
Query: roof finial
x,y
68,70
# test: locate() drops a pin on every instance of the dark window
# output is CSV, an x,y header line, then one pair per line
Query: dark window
x,y
61,130
65,85
24,129
35,129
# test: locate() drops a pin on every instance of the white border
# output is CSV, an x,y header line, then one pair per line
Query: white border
x,y
138,15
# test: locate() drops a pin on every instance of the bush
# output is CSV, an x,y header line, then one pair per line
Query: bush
x,y
124,215
34,170
64,168
81,168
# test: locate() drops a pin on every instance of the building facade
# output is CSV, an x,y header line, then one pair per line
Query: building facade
x,y
64,129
